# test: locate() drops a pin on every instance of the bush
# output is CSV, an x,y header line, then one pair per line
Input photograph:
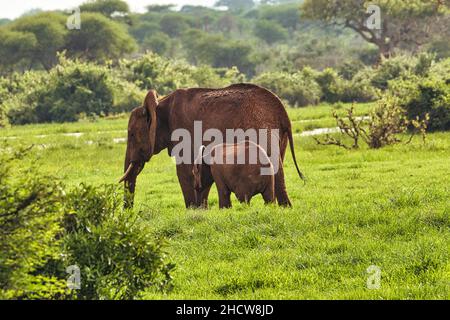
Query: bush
x,y
359,88
46,228
331,84
68,90
299,89
427,95
432,97
165,76
31,212
401,67
117,257
441,70
383,127
393,68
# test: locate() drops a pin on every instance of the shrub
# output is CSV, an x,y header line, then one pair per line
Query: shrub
x,y
427,95
30,218
299,89
432,96
385,124
359,88
46,228
393,68
117,257
441,70
331,84
401,67
349,69
68,90
165,76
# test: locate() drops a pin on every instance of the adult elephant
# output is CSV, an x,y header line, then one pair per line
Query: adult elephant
x,y
240,106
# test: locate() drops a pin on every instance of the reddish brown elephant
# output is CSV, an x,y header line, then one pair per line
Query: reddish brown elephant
x,y
244,180
240,106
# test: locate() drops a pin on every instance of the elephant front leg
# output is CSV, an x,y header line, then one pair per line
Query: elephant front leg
x,y
186,180
192,199
224,195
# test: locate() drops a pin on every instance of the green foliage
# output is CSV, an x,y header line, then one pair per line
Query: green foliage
x,y
270,32
420,18
430,94
394,68
309,87
45,228
236,5
155,72
286,15
331,85
49,31
158,42
144,29
117,257
31,212
15,47
68,90
360,88
99,39
402,225
299,89
173,24
382,128
105,7
4,21
218,51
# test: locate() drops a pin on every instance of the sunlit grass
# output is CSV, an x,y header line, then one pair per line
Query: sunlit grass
x,y
388,208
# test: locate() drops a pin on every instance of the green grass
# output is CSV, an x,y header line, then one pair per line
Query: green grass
x,y
388,208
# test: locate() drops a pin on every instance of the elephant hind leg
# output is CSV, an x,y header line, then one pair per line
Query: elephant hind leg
x,y
280,188
280,183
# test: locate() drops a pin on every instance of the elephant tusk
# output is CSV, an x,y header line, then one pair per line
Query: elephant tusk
x,y
127,173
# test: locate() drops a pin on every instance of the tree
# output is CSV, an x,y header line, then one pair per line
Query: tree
x,y
100,39
404,24
269,31
226,23
15,47
160,8
217,51
106,7
144,29
50,33
236,5
284,14
173,24
158,42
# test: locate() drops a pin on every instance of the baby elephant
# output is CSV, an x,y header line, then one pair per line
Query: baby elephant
x,y
229,166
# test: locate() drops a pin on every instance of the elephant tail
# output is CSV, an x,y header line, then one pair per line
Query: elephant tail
x,y
291,145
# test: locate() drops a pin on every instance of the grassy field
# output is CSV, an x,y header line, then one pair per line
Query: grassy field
x,y
388,208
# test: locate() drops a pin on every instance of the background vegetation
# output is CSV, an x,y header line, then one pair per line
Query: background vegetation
x,y
383,203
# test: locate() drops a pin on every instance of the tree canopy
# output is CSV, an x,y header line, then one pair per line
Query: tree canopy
x,y
106,7
407,24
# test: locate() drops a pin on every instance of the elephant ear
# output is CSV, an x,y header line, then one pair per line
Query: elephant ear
x,y
151,105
